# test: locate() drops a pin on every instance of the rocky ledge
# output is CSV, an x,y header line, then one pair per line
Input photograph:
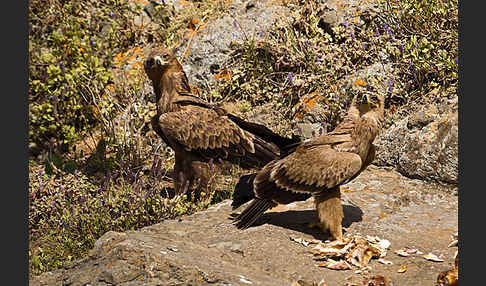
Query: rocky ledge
x,y
206,249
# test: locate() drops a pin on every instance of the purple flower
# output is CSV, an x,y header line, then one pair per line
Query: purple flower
x,y
290,77
158,168
299,130
401,49
377,32
388,29
363,45
112,14
343,46
154,165
92,42
318,59
391,82
235,23
109,176
313,133
457,61
211,165
351,34
102,181
410,65
76,172
346,24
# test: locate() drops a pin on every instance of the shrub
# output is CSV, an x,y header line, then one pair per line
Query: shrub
x,y
301,61
71,50
68,213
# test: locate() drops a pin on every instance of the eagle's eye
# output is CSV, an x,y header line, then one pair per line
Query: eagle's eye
x,y
373,99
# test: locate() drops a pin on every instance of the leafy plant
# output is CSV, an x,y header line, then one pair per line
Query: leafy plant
x,y
301,61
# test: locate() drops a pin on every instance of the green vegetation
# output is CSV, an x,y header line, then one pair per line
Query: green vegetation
x,y
68,213
70,64
302,61
98,167
94,167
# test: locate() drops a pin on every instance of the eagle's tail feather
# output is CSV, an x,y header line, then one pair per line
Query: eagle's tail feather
x,y
243,190
256,208
264,153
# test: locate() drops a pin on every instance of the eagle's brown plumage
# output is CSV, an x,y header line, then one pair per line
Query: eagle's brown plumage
x,y
318,167
199,131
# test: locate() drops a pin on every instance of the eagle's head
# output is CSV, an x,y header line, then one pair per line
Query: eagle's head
x,y
160,61
370,102
376,101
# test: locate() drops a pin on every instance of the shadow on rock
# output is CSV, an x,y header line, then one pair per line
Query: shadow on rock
x,y
299,220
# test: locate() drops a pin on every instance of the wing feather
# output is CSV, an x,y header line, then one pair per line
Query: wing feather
x,y
197,128
314,169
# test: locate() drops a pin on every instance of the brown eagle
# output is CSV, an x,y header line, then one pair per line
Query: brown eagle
x,y
201,132
317,168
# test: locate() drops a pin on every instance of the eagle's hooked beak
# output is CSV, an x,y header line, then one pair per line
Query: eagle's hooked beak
x,y
158,61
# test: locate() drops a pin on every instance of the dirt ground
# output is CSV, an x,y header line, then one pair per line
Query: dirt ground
x,y
206,249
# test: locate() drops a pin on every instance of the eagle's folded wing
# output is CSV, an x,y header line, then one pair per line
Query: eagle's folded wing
x,y
202,129
313,170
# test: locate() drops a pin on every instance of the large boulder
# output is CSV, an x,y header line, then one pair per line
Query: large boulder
x,y
423,145
210,47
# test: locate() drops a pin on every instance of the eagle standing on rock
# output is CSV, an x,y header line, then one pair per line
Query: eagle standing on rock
x,y
317,168
200,132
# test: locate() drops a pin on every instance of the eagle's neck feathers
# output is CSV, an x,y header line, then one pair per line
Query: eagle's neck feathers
x,y
171,84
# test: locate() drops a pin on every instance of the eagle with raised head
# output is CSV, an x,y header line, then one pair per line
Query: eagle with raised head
x,y
200,132
317,168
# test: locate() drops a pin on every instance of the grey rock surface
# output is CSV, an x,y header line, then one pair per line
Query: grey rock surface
x,y
423,145
210,47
